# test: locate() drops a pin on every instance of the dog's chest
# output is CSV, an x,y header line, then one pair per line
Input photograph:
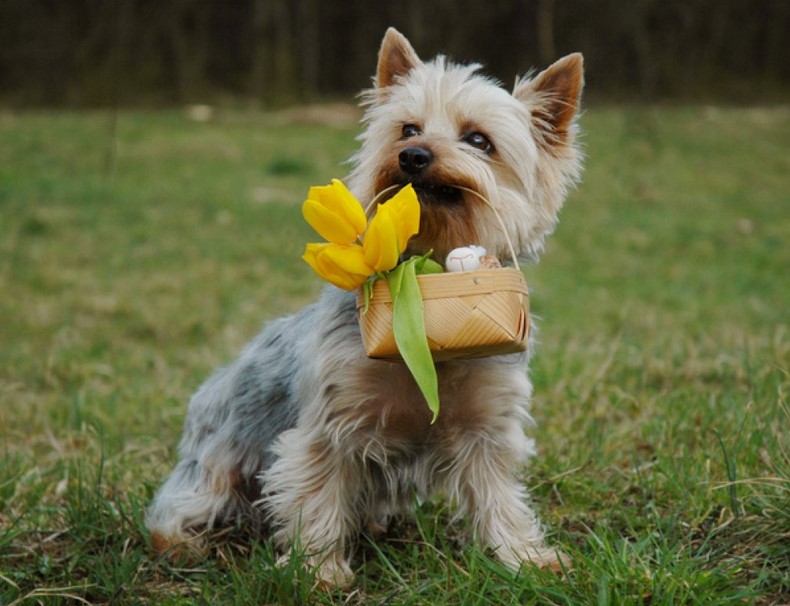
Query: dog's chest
x,y
392,406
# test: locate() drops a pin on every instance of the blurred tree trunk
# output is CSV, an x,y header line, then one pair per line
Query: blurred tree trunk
x,y
258,64
636,15
309,46
418,25
545,32
187,37
273,64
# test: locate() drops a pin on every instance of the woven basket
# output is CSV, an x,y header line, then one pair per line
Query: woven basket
x,y
467,315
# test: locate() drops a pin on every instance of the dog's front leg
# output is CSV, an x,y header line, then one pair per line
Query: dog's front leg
x,y
487,488
310,492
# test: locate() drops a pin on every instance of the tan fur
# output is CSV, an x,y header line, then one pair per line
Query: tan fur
x,y
396,59
350,439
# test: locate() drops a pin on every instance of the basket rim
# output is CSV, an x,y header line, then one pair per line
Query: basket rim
x,y
439,285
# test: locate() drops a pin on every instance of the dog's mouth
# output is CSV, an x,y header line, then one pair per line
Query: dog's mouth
x,y
438,195
448,210
433,192
436,188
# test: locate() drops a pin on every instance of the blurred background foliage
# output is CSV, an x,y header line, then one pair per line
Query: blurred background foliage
x,y
93,53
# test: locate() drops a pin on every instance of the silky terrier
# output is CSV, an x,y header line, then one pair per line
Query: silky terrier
x,y
304,430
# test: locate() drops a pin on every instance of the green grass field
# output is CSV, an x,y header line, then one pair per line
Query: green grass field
x,y
134,260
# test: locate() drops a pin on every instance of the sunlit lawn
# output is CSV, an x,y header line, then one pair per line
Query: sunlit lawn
x,y
135,258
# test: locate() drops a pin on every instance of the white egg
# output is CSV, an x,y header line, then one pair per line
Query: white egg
x,y
466,258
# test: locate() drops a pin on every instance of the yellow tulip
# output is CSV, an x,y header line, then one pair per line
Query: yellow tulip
x,y
380,244
340,264
337,216
397,220
334,213
404,208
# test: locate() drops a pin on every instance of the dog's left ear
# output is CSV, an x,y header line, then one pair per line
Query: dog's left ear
x,y
553,96
396,58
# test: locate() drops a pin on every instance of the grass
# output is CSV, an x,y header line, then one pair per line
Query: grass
x,y
137,256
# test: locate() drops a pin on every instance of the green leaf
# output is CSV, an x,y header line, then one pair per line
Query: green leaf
x,y
394,280
408,327
367,289
426,265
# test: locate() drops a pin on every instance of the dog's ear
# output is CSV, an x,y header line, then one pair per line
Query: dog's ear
x,y
553,96
396,58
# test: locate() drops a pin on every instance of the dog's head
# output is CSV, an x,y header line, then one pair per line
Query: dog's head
x,y
473,152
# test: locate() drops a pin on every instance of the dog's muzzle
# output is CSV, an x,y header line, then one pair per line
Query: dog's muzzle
x,y
416,167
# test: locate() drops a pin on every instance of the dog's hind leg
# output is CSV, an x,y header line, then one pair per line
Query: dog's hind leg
x,y
213,482
192,499
232,421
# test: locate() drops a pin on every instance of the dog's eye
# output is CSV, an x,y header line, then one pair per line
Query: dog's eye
x,y
410,130
479,141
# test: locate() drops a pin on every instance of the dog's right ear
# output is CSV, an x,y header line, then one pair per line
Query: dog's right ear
x,y
396,58
553,97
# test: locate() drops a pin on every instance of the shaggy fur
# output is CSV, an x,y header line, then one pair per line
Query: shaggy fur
x,y
306,430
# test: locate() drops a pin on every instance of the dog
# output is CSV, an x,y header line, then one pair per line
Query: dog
x,y
307,432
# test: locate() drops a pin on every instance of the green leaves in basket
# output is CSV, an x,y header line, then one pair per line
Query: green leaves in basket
x,y
426,265
408,325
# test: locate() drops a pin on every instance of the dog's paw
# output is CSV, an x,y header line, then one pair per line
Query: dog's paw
x,y
377,526
331,571
541,557
334,574
179,545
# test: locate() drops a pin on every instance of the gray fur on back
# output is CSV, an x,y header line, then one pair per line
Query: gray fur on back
x,y
257,397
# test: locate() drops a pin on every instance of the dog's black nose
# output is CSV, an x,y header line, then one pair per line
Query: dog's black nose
x,y
414,159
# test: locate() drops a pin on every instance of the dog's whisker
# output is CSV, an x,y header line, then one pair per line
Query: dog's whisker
x,y
380,195
502,225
